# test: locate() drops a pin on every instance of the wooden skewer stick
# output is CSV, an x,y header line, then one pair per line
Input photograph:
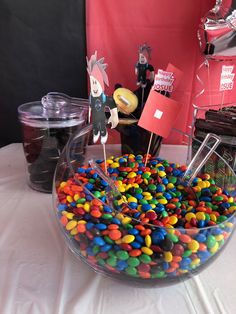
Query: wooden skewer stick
x,y
149,145
222,99
105,158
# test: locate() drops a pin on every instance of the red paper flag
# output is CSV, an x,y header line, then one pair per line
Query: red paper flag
x,y
159,114
177,74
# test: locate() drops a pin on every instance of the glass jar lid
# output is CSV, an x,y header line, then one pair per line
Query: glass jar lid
x,y
54,110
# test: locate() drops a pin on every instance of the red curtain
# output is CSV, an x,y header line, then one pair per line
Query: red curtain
x,y
116,29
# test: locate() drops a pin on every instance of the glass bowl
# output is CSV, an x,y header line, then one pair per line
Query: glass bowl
x,y
138,223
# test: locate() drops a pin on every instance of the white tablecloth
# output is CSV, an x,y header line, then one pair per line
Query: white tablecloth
x,y
38,273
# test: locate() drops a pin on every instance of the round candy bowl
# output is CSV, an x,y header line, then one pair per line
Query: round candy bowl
x,y
141,223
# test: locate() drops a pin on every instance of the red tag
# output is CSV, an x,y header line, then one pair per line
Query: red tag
x,y
176,73
159,114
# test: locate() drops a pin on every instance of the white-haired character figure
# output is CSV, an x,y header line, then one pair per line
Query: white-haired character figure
x,y
98,100
142,66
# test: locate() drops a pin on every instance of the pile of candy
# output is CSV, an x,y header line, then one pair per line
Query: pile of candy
x,y
155,227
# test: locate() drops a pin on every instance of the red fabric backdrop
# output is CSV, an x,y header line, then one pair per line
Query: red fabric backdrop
x,y
116,29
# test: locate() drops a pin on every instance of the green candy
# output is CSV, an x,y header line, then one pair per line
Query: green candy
x,y
187,253
152,187
111,261
133,261
81,200
122,255
211,241
132,271
144,258
91,180
218,198
107,216
153,201
96,249
172,237
172,180
111,253
108,240
145,175
131,164
138,191
142,202
164,214
101,262
221,219
97,194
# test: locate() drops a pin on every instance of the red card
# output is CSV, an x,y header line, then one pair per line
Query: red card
x,y
159,114
177,74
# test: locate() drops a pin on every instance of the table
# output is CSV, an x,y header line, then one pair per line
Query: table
x,y
38,273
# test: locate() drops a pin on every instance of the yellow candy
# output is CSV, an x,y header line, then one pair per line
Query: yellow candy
x,y
162,201
128,238
148,197
161,174
82,222
128,186
168,257
132,199
120,216
202,184
232,209
193,246
146,250
170,229
79,205
131,175
207,184
109,161
64,212
126,220
229,225
115,165
74,231
230,199
121,189
76,197
71,225
70,215
173,220
170,186
219,237
189,216
63,184
69,199
87,207
215,248
180,187
148,240
195,262
121,201
146,193
200,216
145,181
213,217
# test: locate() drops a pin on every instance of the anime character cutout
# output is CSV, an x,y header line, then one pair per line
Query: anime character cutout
x,y
99,101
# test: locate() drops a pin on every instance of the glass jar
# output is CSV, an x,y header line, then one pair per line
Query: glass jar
x,y
46,128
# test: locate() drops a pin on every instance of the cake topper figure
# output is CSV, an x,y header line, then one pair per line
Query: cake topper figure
x,y
142,66
98,100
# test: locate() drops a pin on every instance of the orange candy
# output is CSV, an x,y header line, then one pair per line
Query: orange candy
x,y
81,228
114,234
